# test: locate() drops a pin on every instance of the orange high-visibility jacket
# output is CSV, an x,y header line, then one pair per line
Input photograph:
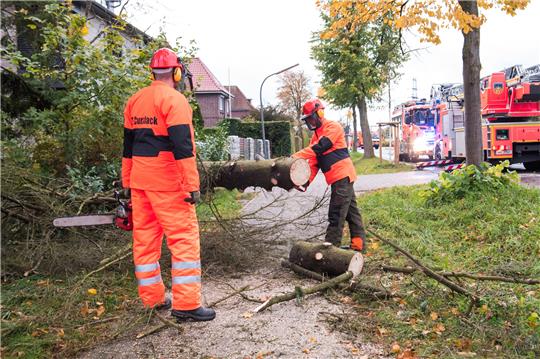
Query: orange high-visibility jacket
x,y
328,151
159,147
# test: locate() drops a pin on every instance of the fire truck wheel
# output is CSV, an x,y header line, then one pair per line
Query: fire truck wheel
x,y
532,166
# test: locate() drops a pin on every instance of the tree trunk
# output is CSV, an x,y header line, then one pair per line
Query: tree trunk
x,y
355,130
286,173
471,88
364,126
325,258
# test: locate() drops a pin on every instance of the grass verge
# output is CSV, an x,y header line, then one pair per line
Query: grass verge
x,y
480,233
46,316
367,166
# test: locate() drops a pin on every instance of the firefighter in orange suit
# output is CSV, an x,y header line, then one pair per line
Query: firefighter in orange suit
x,y
328,152
159,167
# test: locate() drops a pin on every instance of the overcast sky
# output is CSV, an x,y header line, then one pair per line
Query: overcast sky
x,y
252,39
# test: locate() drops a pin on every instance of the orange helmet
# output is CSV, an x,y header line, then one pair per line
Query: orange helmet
x,y
311,114
165,58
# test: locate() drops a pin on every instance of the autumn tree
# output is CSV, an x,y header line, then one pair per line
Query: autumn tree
x,y
428,17
293,92
356,65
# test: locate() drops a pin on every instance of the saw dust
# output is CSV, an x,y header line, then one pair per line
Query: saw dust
x,y
286,330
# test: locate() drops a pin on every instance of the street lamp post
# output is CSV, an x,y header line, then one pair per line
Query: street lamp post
x,y
262,109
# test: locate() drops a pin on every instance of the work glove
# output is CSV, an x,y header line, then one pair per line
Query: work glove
x,y
194,197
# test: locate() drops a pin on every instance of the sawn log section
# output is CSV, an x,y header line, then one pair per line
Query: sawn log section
x,y
286,173
325,258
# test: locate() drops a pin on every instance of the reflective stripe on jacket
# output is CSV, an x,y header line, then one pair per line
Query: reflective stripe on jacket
x,y
159,147
328,152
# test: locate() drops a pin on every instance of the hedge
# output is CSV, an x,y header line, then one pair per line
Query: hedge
x,y
277,132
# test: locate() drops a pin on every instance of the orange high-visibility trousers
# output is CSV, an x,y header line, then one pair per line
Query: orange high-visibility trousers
x,y
156,213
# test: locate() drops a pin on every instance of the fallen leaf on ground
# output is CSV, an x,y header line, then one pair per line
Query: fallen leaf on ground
x,y
92,291
313,340
346,300
454,311
464,344
439,328
100,310
434,316
382,331
84,309
247,315
305,351
395,348
43,283
407,354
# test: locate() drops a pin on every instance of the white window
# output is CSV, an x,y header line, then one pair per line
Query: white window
x,y
221,103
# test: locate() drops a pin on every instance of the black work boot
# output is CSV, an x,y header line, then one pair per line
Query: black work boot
x,y
166,305
200,314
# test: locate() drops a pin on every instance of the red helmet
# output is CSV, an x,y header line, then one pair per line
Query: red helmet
x,y
311,107
311,117
165,58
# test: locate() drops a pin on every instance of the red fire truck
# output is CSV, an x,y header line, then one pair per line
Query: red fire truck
x,y
510,120
417,129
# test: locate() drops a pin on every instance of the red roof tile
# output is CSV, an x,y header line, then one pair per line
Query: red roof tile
x,y
203,79
239,100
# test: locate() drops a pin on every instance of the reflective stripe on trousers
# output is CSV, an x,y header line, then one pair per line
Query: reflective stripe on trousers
x,y
156,214
143,270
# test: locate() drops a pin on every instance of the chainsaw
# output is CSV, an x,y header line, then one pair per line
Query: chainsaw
x,y
122,217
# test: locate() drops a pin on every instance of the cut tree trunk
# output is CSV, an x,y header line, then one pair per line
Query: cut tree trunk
x,y
471,88
325,258
364,126
286,173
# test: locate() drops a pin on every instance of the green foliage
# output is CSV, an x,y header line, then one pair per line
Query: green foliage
x,y
471,180
277,132
212,143
356,64
74,89
491,234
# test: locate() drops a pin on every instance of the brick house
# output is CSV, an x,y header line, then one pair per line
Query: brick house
x,y
212,96
241,105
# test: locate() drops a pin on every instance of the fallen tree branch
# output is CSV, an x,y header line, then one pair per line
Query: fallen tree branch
x,y
427,271
104,267
168,322
375,291
304,291
228,296
494,278
491,278
122,252
152,330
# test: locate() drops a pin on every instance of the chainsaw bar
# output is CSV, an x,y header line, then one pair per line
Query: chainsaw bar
x,y
78,221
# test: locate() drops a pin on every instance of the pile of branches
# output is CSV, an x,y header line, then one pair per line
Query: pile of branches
x,y
31,243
